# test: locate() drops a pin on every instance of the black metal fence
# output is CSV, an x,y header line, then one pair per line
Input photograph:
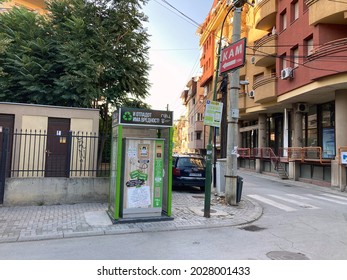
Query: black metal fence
x,y
35,153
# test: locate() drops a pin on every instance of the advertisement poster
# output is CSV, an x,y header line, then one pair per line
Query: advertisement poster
x,y
143,173
328,143
213,113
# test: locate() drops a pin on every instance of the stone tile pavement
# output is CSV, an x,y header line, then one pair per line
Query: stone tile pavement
x,y
25,223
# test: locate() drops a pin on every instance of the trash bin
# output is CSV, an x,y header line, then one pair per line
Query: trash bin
x,y
239,188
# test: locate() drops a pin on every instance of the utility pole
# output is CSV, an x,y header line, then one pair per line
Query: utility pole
x,y
233,116
208,177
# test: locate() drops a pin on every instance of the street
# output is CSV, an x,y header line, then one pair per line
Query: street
x,y
297,223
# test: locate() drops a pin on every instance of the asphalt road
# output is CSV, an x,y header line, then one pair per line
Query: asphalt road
x,y
297,223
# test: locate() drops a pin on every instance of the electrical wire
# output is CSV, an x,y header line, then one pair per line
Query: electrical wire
x,y
292,61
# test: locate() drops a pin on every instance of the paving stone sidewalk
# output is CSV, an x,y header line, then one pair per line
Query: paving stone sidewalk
x,y
27,223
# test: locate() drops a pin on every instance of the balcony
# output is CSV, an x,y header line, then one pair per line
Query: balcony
x,y
196,144
198,126
265,88
327,55
265,51
242,101
327,11
265,14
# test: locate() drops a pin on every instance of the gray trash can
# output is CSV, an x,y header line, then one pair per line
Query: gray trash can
x,y
239,188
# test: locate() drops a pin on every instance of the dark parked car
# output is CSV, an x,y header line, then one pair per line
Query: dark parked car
x,y
188,170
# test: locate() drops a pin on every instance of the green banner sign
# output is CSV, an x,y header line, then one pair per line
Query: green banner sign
x,y
143,117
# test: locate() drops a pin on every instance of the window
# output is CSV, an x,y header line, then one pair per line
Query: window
x,y
295,57
283,20
308,45
198,135
284,61
198,117
295,10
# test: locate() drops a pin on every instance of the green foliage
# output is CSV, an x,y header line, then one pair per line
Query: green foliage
x,y
81,54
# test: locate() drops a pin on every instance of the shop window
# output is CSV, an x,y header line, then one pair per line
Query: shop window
x,y
328,129
312,131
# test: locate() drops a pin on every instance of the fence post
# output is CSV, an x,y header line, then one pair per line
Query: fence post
x,y
68,156
3,162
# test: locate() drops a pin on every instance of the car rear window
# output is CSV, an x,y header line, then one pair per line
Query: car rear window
x,y
190,162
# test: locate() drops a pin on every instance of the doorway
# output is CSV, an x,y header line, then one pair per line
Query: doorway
x,y
7,122
57,160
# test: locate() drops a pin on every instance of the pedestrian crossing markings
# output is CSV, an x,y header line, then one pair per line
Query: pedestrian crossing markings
x,y
297,200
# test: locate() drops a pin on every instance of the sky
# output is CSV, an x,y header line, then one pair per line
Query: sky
x,y
174,49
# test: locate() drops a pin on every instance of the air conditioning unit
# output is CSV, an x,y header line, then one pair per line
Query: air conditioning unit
x,y
251,94
302,108
287,73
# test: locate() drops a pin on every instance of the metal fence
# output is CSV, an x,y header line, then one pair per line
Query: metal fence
x,y
35,153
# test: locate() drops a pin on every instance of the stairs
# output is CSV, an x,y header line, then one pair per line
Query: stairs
x,y
281,171
278,165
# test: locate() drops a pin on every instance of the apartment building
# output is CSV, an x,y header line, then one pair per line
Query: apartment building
x,y
32,5
193,98
291,108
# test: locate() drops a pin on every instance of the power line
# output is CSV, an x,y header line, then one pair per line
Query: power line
x,y
289,60
193,21
179,13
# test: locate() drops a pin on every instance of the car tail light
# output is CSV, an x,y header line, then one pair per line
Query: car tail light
x,y
176,172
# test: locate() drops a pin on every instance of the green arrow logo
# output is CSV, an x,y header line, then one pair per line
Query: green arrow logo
x,y
127,116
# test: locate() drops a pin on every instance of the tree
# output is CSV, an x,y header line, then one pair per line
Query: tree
x,y
81,54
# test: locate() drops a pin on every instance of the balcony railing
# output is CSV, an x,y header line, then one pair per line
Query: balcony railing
x,y
326,11
329,48
265,14
265,50
302,154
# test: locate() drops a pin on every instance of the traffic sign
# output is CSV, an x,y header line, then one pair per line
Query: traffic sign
x,y
233,57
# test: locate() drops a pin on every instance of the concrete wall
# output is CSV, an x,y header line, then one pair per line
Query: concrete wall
x,y
48,191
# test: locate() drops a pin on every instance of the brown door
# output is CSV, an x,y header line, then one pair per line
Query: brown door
x,y
57,147
7,121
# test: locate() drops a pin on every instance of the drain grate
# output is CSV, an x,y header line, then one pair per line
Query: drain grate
x,y
252,228
211,211
285,255
198,196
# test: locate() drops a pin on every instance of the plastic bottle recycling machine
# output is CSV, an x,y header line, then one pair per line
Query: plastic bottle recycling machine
x,y
141,172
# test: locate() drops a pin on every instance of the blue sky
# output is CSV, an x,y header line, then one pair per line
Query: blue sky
x,y
174,53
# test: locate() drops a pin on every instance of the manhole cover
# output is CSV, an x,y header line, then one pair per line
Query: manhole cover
x,y
285,255
252,228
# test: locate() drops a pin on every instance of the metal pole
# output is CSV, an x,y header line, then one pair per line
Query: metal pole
x,y
208,177
233,117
